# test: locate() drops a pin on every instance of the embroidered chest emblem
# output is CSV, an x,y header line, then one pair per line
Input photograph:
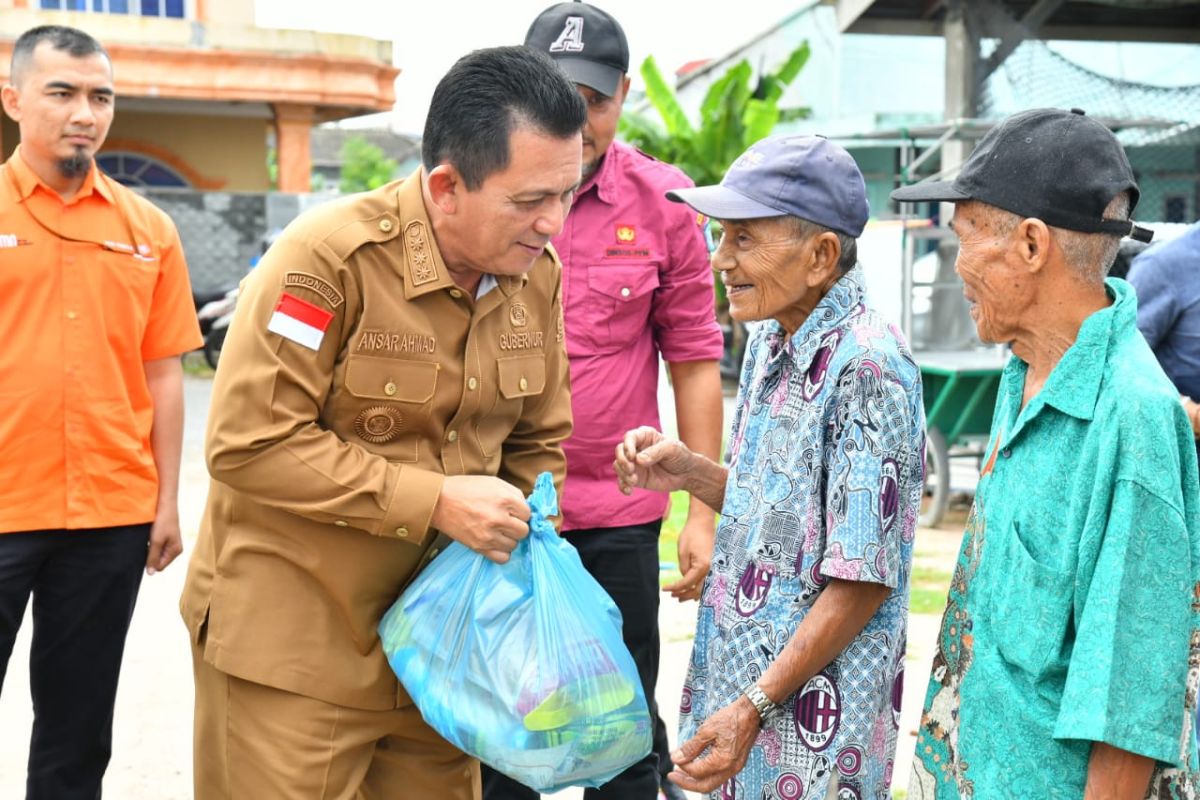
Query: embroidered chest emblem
x,y
626,234
378,424
518,315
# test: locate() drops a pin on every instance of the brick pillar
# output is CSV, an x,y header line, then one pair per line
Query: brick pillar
x,y
293,127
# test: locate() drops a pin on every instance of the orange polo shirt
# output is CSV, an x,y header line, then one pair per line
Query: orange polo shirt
x,y
89,290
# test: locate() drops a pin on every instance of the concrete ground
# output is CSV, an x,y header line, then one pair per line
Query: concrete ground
x,y
152,731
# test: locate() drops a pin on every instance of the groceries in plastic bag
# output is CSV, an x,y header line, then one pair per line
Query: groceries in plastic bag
x,y
522,664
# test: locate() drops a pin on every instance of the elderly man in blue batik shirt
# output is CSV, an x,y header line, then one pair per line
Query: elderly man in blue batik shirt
x,y
1067,661
795,679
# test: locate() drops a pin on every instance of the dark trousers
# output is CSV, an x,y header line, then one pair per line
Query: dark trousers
x,y
84,585
625,562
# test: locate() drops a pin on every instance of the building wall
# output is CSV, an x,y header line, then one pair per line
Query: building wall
x,y
222,232
225,12
1165,172
216,153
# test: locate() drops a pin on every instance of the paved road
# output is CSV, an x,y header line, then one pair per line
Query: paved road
x,y
152,731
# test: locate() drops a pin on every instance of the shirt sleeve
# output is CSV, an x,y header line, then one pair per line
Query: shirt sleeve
x,y
1157,300
535,443
873,454
265,438
1125,681
172,327
684,317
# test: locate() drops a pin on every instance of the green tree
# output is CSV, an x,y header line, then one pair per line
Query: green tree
x,y
733,116
364,166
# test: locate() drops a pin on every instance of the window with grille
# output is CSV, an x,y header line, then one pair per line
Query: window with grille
x,y
133,169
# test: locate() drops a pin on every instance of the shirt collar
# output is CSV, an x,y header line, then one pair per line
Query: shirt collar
x,y
842,298
1074,384
27,181
605,177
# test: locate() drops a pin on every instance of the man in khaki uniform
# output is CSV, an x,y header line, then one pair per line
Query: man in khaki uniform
x,y
396,370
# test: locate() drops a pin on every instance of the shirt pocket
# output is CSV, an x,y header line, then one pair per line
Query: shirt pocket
x,y
1030,608
517,379
125,284
617,305
393,401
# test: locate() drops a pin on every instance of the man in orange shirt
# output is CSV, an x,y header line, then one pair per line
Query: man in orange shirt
x,y
96,311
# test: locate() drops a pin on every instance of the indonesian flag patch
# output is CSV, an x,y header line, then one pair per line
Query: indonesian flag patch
x,y
300,321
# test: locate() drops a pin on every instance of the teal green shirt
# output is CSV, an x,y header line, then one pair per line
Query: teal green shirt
x,y
1071,614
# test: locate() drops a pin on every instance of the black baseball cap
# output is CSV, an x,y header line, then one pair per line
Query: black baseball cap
x,y
587,43
1061,167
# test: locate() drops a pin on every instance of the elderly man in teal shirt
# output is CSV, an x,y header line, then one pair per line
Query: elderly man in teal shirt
x,y
1067,663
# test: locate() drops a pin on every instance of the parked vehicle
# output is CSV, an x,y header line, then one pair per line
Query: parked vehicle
x,y
214,324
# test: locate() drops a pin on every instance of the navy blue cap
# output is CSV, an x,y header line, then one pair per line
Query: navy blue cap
x,y
802,176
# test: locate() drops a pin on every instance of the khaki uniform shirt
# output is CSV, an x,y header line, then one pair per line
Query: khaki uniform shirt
x,y
327,462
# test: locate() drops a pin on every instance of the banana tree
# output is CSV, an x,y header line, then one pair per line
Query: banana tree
x,y
734,115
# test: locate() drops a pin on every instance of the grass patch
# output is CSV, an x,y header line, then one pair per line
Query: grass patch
x,y
928,590
195,365
668,540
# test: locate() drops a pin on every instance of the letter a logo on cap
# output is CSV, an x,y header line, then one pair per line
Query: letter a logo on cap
x,y
571,38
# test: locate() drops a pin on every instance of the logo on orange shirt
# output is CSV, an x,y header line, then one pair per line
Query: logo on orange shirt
x,y
626,234
12,240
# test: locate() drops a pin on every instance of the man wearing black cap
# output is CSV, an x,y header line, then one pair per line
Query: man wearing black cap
x,y
636,285
1062,667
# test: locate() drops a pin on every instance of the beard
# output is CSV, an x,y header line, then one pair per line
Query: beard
x,y
75,166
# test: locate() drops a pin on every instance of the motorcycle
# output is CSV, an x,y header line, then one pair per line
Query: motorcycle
x,y
214,319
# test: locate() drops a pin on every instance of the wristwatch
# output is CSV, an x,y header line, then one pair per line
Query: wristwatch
x,y
765,707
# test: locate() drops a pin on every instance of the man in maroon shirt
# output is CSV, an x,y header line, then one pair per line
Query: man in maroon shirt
x,y
636,284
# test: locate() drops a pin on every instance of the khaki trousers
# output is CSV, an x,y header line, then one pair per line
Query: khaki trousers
x,y
253,742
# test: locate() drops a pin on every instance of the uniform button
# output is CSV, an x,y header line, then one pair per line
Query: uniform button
x,y
389,388
455,293
385,225
341,523
71,315
472,384
452,436
624,291
402,532
524,384
433,553
1006,452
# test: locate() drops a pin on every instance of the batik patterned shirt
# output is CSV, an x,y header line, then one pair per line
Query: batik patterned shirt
x,y
825,481
1073,610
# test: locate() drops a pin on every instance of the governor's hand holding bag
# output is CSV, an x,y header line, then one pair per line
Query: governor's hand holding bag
x,y
522,664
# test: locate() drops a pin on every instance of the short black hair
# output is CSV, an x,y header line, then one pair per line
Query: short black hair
x,y
484,97
68,40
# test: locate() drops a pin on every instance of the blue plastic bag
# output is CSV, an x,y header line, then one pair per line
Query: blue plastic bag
x,y
522,664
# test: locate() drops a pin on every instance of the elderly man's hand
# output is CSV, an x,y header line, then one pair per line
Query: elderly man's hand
x,y
719,749
648,460
695,550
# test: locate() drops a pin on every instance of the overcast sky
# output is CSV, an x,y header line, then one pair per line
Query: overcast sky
x,y
430,35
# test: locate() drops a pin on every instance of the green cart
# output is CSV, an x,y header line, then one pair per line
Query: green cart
x,y
960,394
